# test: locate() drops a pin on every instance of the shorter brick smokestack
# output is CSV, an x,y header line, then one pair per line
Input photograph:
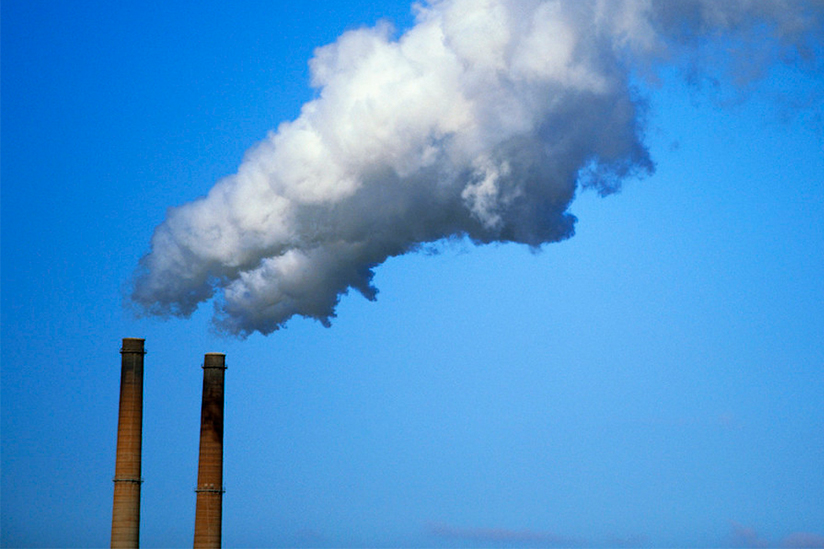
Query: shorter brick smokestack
x,y
209,510
126,507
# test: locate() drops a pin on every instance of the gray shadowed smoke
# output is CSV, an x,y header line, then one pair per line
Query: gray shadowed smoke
x,y
481,121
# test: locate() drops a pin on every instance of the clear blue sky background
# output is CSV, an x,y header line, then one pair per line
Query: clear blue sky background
x,y
656,381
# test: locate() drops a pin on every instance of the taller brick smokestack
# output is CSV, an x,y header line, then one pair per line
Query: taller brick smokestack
x,y
209,510
126,508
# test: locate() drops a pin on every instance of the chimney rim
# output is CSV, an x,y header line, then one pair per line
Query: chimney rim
x,y
133,345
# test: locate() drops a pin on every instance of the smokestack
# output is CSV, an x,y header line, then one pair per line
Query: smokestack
x,y
126,508
209,510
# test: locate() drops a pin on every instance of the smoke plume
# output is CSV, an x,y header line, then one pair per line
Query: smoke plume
x,y
480,122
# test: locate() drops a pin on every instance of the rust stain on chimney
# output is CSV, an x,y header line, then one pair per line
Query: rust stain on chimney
x,y
126,507
208,513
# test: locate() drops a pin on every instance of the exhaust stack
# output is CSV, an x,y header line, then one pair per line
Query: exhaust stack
x,y
126,507
209,510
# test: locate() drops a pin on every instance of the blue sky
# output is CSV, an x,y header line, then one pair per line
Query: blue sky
x,y
654,381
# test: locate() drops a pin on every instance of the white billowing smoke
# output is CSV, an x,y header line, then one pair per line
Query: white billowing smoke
x,y
481,121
